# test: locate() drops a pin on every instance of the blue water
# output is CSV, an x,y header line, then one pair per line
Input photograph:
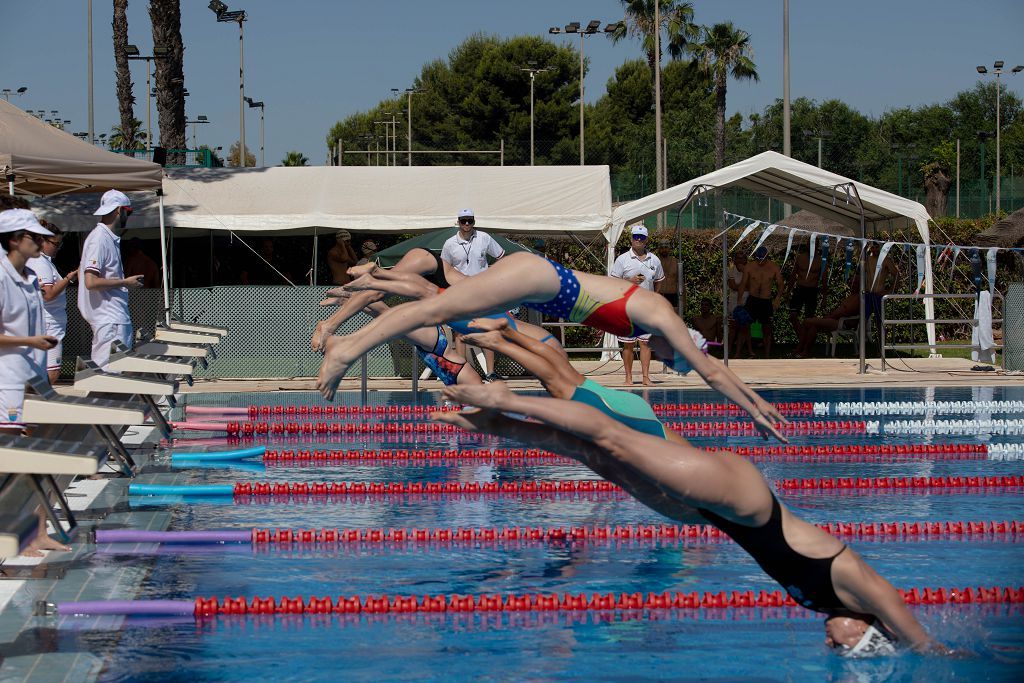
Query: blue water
x,y
719,644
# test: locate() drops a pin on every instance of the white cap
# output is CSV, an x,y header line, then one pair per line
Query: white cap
x,y
110,201
876,641
14,220
639,229
466,213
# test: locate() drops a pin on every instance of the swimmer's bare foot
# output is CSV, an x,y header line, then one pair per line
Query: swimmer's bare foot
x,y
363,282
321,334
485,340
43,542
335,299
490,324
491,395
365,269
337,293
629,380
333,368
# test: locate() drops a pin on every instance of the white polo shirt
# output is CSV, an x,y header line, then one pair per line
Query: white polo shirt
x,y
628,265
101,254
469,257
21,315
56,309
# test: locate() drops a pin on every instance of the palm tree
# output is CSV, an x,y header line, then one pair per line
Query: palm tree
x,y
128,138
676,21
294,158
129,127
723,51
165,15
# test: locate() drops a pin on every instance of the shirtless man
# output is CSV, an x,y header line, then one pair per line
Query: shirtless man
x,y
758,277
341,257
668,287
803,287
811,327
708,323
879,286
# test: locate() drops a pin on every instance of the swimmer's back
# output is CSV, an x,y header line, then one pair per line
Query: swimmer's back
x,y
627,408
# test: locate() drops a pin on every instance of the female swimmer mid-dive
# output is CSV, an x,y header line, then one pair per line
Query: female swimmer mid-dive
x,y
864,613
611,304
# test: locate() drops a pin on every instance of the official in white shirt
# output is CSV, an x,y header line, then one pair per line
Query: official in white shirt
x,y
643,269
55,304
103,298
467,251
23,339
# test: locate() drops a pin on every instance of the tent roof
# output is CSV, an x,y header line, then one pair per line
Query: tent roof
x,y
795,182
520,199
45,160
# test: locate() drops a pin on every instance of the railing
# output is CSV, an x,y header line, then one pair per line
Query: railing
x,y
885,322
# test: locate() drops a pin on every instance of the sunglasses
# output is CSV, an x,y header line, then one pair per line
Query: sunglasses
x,y
641,238
466,221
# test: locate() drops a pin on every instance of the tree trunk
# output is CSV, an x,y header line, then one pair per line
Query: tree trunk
x,y
125,98
936,187
720,85
165,15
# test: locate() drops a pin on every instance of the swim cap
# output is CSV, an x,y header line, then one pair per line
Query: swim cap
x,y
875,642
678,362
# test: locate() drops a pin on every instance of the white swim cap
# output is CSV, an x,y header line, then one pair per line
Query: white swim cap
x,y
875,642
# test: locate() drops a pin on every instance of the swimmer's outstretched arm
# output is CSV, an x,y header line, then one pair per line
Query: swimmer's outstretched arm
x,y
400,283
348,308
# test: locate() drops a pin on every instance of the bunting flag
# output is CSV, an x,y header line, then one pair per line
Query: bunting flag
x,y
921,253
824,258
810,259
975,259
789,246
882,253
990,258
953,253
746,231
848,266
764,235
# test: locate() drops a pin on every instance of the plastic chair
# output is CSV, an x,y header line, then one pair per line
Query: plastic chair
x,y
849,328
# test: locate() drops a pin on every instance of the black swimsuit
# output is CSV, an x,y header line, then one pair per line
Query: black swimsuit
x,y
808,580
437,278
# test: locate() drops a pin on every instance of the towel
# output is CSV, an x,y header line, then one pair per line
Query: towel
x,y
981,335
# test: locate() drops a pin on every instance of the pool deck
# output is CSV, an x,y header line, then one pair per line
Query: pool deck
x,y
759,373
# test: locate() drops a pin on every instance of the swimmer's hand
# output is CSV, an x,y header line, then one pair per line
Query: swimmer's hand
x,y
471,419
769,411
766,427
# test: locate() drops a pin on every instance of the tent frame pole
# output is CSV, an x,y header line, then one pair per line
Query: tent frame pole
x,y
163,260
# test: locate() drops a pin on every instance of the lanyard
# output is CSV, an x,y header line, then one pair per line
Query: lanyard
x,y
469,248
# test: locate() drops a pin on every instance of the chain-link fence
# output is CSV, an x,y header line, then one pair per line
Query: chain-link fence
x,y
1013,327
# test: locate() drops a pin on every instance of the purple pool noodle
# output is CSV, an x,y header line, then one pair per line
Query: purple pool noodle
x,y
155,607
139,536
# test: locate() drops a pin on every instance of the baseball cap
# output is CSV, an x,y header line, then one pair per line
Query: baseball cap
x,y
466,213
760,253
14,220
639,229
111,200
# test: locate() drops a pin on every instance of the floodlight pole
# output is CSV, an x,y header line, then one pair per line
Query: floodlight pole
x,y
92,127
239,16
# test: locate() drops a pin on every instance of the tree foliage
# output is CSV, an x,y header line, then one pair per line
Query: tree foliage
x,y
233,158
294,158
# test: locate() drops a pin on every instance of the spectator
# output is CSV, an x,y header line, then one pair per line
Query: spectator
x,y
137,262
467,252
669,286
811,327
708,323
803,285
881,283
758,278
268,269
103,301
643,269
739,320
55,303
369,251
341,257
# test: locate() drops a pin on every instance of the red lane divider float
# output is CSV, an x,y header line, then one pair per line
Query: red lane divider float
x,y
961,530
592,486
744,428
565,602
789,409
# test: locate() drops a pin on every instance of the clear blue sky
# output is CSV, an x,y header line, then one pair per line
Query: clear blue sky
x,y
316,61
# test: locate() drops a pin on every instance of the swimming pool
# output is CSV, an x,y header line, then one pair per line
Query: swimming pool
x,y
770,643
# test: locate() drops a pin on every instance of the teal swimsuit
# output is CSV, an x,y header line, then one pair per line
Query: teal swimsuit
x,y
627,408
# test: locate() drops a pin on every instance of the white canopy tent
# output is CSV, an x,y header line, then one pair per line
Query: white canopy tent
x,y
826,194
540,199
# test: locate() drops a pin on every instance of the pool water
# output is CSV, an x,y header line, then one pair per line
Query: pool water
x,y
753,643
